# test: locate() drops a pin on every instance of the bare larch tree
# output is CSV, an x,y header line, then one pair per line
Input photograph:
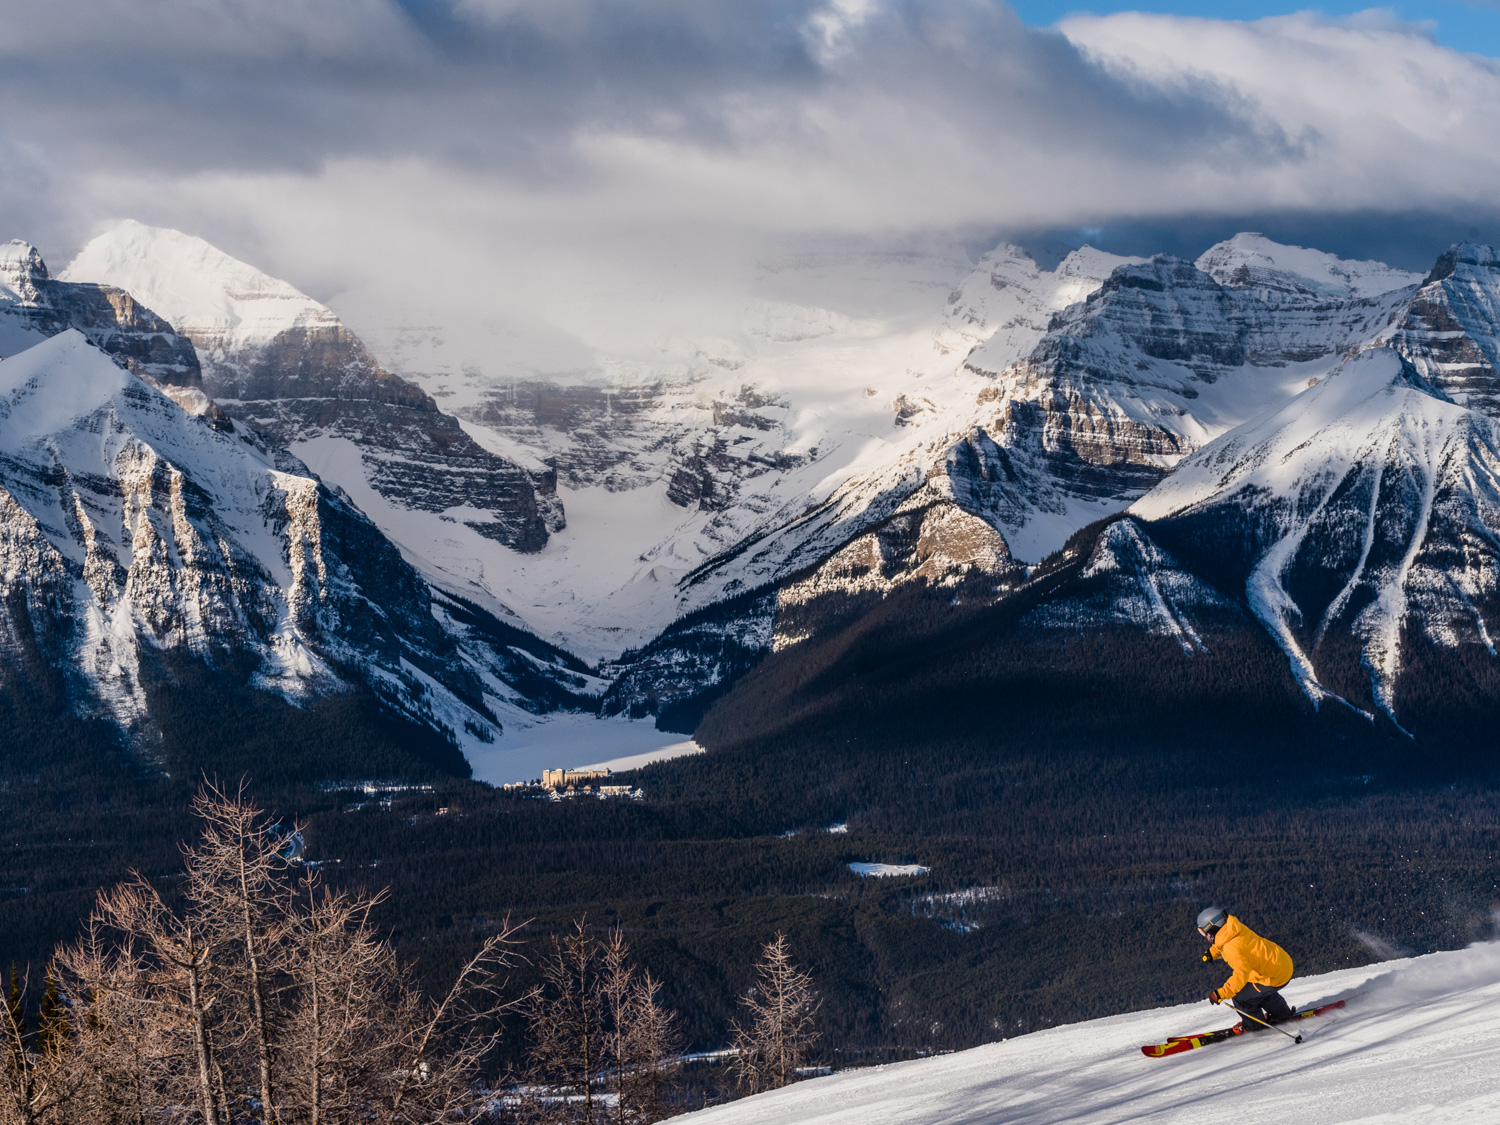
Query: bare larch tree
x,y
598,1026
245,996
776,1030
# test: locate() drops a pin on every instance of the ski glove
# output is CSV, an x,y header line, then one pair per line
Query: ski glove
x,y
1207,958
1213,997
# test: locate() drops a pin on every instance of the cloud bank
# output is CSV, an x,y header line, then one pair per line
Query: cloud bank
x,y
509,151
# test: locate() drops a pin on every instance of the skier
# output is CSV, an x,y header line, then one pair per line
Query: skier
x,y
1260,967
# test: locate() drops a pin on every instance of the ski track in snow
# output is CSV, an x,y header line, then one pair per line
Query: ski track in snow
x,y
1419,1044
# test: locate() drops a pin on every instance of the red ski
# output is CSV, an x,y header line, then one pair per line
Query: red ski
x,y
1180,1043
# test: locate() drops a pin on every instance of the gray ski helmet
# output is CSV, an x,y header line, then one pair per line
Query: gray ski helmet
x,y
1212,917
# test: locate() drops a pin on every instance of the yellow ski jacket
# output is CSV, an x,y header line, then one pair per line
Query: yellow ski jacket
x,y
1253,959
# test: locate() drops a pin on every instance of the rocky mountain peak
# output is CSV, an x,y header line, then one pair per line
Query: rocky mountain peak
x,y
1250,260
35,305
1451,329
288,366
195,285
21,271
1471,254
1364,507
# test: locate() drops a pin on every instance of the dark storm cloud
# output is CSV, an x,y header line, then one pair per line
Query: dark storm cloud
x,y
608,138
247,85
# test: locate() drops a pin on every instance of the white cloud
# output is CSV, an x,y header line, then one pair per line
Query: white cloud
x,y
1381,116
595,164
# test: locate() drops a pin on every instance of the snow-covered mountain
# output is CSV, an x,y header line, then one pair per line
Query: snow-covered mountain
x,y
1161,359
1415,1043
1155,361
1033,401
1253,261
735,495
34,305
706,469
131,528
1002,309
1367,506
713,471
284,363
1356,525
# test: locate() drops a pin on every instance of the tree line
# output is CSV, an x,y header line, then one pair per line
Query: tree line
x,y
248,990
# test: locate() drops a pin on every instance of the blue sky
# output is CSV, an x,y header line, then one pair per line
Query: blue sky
x,y
1464,25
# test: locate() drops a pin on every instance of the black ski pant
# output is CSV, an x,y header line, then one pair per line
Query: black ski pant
x,y
1264,1001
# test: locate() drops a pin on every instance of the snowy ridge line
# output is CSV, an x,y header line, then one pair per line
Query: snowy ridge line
x,y
1300,473
126,521
1031,404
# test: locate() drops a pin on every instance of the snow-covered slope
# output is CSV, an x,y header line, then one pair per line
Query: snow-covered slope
x,y
1253,261
1369,505
277,359
130,527
1419,1042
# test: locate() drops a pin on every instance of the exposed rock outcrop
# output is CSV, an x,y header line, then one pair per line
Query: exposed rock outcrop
x,y
287,365
35,305
1451,330
129,525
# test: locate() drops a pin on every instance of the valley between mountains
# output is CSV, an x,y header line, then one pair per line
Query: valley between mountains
x,y
723,500
1073,594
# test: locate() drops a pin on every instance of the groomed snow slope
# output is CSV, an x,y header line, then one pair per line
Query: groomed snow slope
x,y
1420,1043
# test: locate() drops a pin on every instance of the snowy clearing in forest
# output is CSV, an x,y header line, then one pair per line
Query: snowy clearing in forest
x,y
1419,1043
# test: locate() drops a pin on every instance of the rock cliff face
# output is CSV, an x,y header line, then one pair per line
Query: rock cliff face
x,y
130,527
1451,330
273,357
35,305
704,446
731,508
1162,358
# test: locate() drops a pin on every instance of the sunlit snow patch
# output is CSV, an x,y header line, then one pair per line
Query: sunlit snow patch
x,y
1416,1044
883,870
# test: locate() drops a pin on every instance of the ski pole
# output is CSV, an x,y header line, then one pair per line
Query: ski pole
x,y
1272,1026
